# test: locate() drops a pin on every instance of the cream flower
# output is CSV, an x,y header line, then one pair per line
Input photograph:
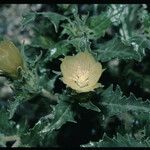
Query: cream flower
x,y
10,58
81,72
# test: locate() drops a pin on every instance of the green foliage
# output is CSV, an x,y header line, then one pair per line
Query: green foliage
x,y
115,48
117,103
99,24
61,114
119,141
43,110
47,126
53,17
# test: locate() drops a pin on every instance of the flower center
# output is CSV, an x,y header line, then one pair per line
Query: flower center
x,y
81,78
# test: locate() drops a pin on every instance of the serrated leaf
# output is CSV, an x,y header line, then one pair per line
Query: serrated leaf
x,y
89,105
55,18
21,97
77,30
32,138
99,24
62,113
117,103
115,48
119,141
13,105
141,42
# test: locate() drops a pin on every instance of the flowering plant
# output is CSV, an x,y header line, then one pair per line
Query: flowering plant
x,y
75,75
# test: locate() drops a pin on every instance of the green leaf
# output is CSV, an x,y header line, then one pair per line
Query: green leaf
x,y
117,103
20,97
119,141
90,105
13,105
31,138
60,48
55,18
28,18
42,42
81,44
77,28
99,24
141,42
46,128
115,48
6,126
61,114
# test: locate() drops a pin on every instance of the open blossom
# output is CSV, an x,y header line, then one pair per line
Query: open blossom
x,y
81,72
10,58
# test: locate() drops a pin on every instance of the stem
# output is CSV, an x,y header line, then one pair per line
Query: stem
x,y
53,98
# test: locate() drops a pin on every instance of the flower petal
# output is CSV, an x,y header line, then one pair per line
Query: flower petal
x,y
81,72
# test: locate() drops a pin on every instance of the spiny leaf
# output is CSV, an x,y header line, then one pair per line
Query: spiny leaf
x,y
116,103
141,42
115,48
32,137
13,105
62,113
119,141
32,134
89,105
99,24
55,18
77,29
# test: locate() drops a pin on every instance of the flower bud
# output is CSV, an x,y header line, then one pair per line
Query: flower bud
x,y
10,59
81,72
